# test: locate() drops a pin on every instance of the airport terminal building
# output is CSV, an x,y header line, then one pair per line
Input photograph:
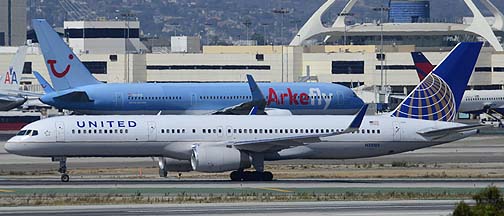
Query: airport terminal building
x,y
344,53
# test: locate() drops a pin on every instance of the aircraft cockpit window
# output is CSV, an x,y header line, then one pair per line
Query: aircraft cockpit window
x,y
34,133
21,133
28,132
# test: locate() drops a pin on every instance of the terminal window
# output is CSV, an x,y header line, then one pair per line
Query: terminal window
x,y
347,67
27,68
2,38
96,67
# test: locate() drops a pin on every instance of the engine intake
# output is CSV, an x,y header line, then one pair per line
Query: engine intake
x,y
218,159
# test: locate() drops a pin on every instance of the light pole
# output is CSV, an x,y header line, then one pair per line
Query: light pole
x,y
282,11
247,24
264,33
345,22
382,56
126,18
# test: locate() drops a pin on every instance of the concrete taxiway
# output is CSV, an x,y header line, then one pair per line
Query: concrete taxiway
x,y
354,208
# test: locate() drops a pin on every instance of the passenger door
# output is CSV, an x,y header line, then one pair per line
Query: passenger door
x,y
194,100
397,131
152,131
118,100
60,132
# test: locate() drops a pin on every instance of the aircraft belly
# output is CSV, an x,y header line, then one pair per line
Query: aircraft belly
x,y
90,149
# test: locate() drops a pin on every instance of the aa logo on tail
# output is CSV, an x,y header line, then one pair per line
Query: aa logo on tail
x,y
10,77
52,62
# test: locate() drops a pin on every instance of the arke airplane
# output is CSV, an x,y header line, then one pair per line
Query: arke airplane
x,y
212,143
474,101
76,89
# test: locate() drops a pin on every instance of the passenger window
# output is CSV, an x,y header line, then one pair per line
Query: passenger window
x,y
368,131
83,131
204,130
255,131
214,130
162,130
78,131
73,131
90,131
372,131
95,131
100,131
193,130
183,130
120,130
178,130
104,131
111,131
125,130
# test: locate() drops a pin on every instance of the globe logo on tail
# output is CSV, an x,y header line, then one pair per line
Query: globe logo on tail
x,y
52,62
431,100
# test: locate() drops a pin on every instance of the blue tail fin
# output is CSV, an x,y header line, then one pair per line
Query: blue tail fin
x,y
45,85
438,96
65,69
422,65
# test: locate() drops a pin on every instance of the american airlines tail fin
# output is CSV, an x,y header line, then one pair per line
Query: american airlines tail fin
x,y
65,68
438,96
422,64
45,85
10,79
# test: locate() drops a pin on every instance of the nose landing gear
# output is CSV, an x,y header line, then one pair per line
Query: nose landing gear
x,y
62,168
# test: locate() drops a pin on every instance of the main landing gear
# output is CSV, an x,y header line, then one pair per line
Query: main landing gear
x,y
62,168
258,175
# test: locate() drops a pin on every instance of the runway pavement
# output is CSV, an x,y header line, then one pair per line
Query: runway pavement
x,y
354,208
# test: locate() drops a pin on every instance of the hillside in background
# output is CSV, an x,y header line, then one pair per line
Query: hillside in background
x,y
222,21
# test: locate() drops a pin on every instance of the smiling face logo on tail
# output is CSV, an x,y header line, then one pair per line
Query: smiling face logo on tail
x,y
52,62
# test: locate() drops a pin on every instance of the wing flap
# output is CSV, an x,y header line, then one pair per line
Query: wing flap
x,y
278,143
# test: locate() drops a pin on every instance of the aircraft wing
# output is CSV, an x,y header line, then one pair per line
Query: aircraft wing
x,y
276,144
75,96
258,102
433,133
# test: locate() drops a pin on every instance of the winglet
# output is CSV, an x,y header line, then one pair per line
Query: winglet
x,y
357,121
258,100
45,85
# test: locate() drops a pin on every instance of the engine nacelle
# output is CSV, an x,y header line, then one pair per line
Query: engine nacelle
x,y
174,165
218,159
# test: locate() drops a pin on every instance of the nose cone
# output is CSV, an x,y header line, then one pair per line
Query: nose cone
x,y
10,145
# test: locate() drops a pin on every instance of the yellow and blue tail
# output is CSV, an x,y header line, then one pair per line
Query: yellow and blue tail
x,y
65,68
439,94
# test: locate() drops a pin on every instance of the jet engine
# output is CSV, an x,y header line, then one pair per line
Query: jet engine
x,y
218,159
174,165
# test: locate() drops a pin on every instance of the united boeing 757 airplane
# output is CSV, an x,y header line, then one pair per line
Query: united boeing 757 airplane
x,y
76,89
474,101
211,143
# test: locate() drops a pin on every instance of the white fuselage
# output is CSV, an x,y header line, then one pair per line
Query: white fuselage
x,y
478,101
174,136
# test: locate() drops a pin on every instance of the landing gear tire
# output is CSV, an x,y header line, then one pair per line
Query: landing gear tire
x,y
65,177
163,173
236,176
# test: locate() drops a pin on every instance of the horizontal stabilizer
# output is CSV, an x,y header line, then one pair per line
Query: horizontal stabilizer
x,y
45,85
434,133
76,96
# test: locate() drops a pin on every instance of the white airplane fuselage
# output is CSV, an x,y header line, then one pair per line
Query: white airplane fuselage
x,y
479,101
174,136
